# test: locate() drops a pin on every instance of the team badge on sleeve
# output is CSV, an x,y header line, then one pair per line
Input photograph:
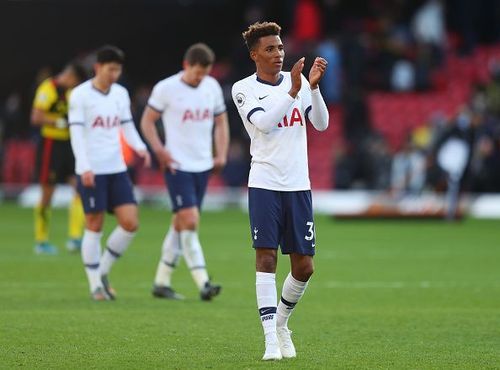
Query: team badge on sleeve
x,y
240,99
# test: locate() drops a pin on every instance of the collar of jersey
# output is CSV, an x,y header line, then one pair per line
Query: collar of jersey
x,y
269,83
99,91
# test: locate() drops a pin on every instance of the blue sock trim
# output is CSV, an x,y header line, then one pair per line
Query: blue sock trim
x,y
289,305
169,264
113,253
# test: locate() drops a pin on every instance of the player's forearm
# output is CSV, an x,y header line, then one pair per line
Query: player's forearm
x,y
266,121
40,118
221,135
79,147
149,132
132,136
319,112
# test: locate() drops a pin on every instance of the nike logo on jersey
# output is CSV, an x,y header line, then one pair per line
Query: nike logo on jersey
x,y
263,97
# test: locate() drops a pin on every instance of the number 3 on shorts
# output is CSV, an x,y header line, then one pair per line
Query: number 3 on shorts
x,y
310,236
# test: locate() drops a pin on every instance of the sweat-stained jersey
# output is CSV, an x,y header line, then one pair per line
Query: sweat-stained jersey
x,y
188,118
279,157
101,115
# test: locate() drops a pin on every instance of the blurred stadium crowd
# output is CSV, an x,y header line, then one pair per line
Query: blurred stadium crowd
x,y
403,78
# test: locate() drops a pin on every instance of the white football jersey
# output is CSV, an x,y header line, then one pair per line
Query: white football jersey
x,y
101,115
188,119
279,158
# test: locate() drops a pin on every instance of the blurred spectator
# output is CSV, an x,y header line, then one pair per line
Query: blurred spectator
x,y
485,166
403,76
493,89
408,170
453,153
235,174
378,162
428,24
331,84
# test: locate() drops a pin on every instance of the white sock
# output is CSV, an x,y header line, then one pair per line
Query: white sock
x,y
193,254
293,290
91,252
171,253
265,286
117,243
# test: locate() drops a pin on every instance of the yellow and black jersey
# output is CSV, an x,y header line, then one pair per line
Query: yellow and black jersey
x,y
53,100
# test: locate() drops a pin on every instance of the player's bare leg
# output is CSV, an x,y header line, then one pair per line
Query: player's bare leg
x,y
42,213
265,287
295,284
118,242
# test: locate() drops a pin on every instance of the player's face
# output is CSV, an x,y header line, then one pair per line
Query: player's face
x,y
108,73
269,54
194,74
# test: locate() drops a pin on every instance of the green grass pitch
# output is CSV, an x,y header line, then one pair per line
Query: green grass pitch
x,y
385,295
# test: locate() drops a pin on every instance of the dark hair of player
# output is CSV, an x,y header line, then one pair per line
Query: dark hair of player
x,y
78,70
110,54
201,54
258,30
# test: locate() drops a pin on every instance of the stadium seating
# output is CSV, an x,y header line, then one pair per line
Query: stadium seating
x,y
19,162
396,114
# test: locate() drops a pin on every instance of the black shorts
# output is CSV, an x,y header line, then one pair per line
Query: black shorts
x,y
55,161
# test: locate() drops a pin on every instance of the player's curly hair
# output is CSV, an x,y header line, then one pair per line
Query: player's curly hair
x,y
258,30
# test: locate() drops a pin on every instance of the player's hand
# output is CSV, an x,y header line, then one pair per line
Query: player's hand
x,y
88,179
296,76
166,161
61,123
317,71
219,163
146,157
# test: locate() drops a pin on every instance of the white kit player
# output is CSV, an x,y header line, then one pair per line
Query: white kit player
x,y
275,107
98,110
191,106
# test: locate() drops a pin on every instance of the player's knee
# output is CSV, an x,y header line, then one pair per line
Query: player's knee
x,y
131,225
307,271
188,220
266,260
303,272
94,223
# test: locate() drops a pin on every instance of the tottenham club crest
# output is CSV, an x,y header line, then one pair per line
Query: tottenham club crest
x,y
240,99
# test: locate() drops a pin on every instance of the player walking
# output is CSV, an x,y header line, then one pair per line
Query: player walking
x,y
98,108
193,112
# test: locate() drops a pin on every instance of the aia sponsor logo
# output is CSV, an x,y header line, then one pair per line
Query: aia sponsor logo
x,y
295,118
106,122
195,115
